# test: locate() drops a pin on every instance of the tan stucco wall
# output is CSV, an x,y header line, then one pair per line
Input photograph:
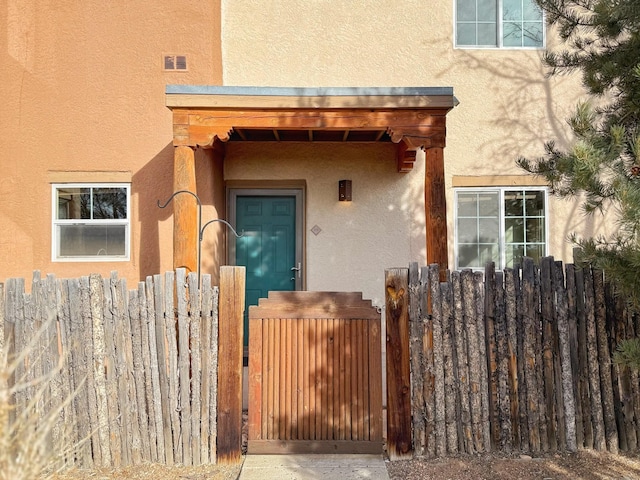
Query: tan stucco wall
x,y
508,107
83,91
380,226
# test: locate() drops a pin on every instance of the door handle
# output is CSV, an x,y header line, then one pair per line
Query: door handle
x,y
297,270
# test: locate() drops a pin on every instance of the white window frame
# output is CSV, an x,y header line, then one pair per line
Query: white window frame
x,y
55,222
501,218
500,38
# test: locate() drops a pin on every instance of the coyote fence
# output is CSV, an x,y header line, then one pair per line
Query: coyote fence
x,y
139,366
513,361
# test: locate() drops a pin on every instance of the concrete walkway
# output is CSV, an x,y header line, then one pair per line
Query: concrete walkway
x,y
316,466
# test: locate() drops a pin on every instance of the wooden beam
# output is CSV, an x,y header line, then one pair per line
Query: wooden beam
x,y
435,209
230,351
318,119
185,210
417,127
398,365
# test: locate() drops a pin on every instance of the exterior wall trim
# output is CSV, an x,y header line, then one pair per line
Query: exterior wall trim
x,y
60,176
496,181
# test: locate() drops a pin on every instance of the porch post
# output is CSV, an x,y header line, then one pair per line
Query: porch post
x,y
435,209
185,210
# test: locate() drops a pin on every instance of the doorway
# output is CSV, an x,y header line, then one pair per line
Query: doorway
x,y
270,247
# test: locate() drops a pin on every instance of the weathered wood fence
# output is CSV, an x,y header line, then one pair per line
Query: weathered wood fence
x,y
140,366
519,360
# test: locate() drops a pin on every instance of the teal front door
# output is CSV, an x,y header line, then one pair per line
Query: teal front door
x,y
267,248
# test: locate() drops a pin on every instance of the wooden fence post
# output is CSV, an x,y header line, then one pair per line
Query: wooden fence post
x,y
530,333
597,415
398,370
564,347
438,322
230,351
421,379
604,360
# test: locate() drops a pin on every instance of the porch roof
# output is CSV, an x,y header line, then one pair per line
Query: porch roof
x,y
412,117
309,97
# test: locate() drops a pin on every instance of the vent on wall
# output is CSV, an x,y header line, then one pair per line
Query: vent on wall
x,y
175,62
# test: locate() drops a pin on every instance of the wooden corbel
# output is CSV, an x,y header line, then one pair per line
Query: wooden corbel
x,y
207,137
406,157
409,140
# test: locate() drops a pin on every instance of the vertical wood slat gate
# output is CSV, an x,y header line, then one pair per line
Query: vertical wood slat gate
x,y
315,374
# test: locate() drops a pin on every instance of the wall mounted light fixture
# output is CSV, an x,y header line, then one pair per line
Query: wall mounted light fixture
x,y
344,190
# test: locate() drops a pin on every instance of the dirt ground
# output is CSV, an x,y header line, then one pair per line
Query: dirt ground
x,y
587,465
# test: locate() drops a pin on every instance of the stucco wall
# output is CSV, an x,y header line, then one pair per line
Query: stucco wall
x,y
383,225
508,107
83,91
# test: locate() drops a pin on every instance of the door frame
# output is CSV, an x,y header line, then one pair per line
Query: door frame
x,y
297,190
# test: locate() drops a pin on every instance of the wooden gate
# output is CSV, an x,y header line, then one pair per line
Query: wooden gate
x,y
315,374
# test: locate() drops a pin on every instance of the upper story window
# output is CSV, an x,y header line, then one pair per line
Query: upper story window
x,y
499,24
91,222
499,224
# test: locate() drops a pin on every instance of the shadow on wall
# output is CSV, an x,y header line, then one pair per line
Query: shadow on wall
x,y
151,183
533,107
525,102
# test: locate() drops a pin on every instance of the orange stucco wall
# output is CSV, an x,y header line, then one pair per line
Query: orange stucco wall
x,y
82,90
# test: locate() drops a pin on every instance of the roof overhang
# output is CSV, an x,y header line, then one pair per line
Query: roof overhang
x,y
411,117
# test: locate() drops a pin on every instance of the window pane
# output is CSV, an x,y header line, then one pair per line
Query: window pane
x,y
467,204
466,10
514,230
487,34
532,34
512,10
519,223
513,204
466,34
512,34
535,230
534,204
536,252
514,254
109,203
74,203
488,230
489,253
467,230
487,10
488,204
91,240
531,11
468,256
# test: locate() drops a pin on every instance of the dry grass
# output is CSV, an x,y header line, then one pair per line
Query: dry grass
x,y
32,442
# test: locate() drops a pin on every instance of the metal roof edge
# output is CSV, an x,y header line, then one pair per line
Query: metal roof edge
x,y
307,91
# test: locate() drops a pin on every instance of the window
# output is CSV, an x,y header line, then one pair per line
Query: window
x,y
499,225
91,222
499,24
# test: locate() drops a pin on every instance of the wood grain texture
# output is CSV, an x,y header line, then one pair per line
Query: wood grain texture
x,y
314,379
230,351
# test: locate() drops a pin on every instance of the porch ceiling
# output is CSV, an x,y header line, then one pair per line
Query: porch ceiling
x,y
413,117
